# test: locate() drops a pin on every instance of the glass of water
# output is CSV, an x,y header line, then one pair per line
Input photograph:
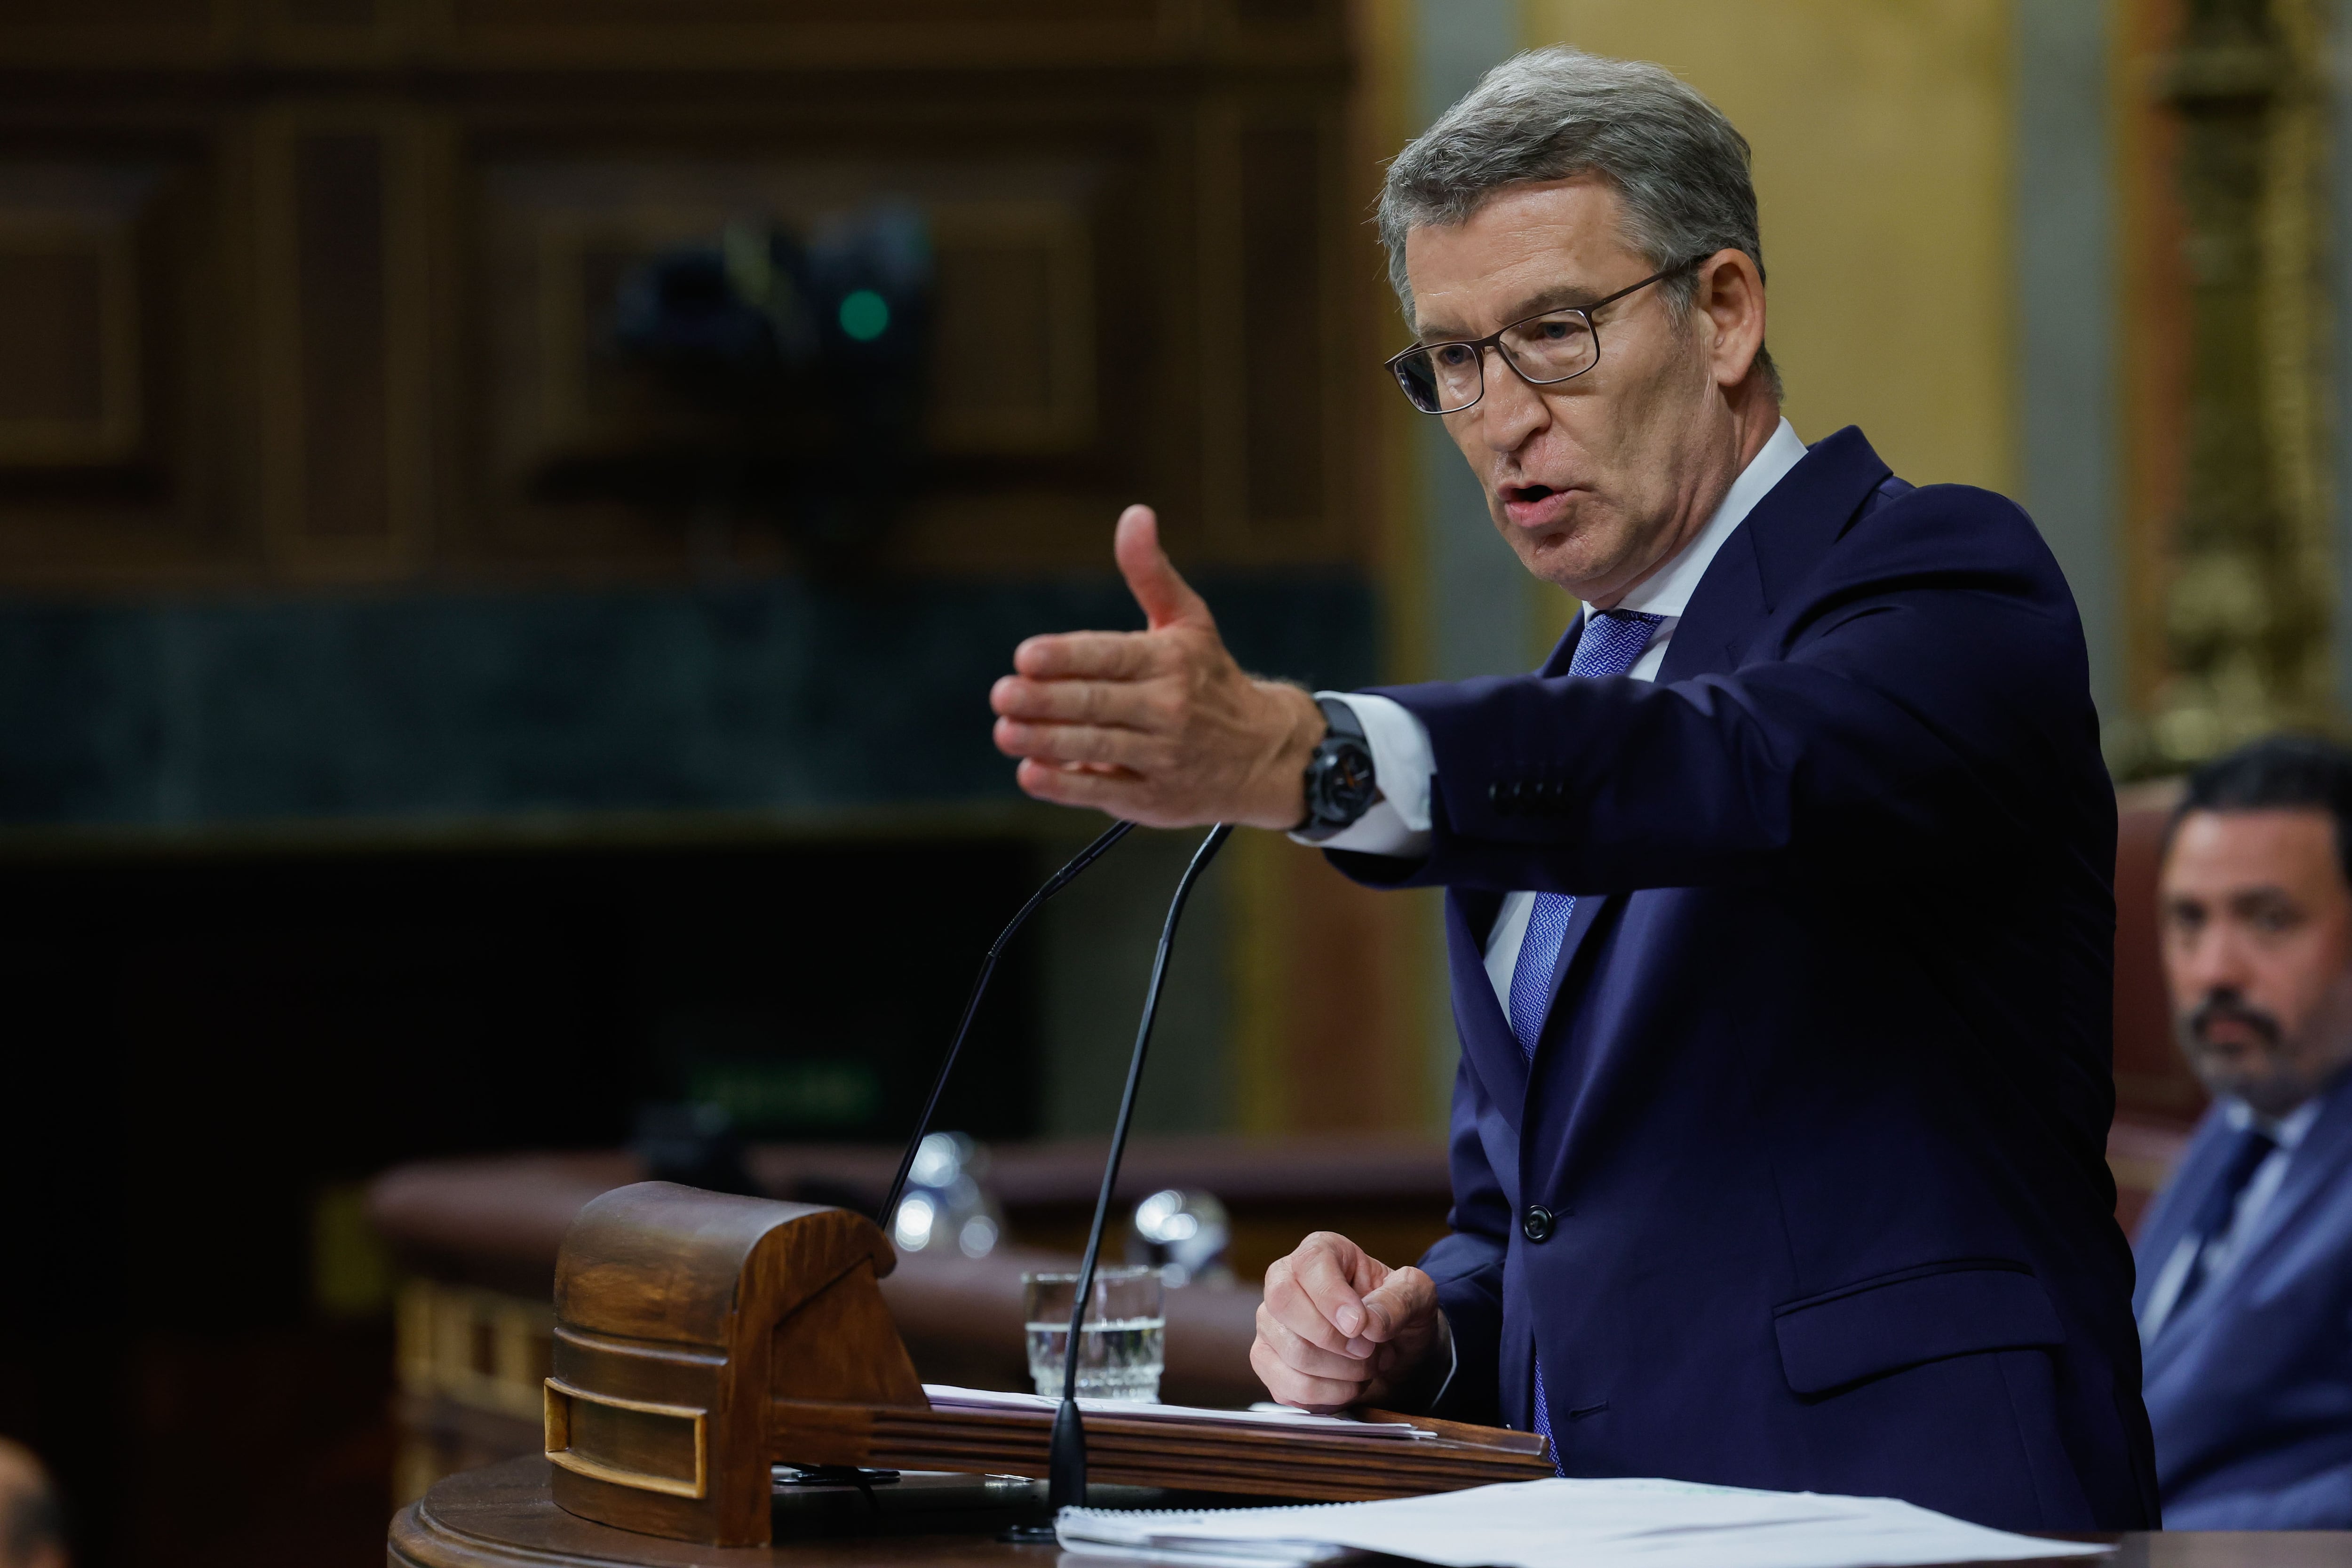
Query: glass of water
x,y
1122,1347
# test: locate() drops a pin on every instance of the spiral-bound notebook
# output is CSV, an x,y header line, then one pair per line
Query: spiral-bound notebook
x,y
1614,1523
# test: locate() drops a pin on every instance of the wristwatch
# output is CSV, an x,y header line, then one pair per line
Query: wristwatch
x,y
1340,783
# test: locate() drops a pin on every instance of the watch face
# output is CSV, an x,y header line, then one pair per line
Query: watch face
x,y
1345,787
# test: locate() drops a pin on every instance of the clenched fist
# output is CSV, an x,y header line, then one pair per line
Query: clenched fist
x,y
1338,1327
1159,726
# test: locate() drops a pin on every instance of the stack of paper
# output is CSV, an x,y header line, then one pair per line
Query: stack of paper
x,y
943,1398
1563,1524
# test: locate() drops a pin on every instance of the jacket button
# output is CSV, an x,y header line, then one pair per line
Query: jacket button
x,y
1537,1226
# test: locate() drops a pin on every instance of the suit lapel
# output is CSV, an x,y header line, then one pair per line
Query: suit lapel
x,y
1563,652
1791,528
1771,550
2200,1167
1486,1037
2311,1168
1588,910
2314,1166
1478,908
2167,1220
1726,607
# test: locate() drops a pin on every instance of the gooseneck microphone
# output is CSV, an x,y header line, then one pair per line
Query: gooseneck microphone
x,y
1067,1458
1062,878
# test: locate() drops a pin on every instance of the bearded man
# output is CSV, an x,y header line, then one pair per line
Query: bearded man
x,y
2245,1283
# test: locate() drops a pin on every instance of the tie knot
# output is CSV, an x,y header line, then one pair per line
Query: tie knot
x,y
2246,1156
1612,642
2254,1146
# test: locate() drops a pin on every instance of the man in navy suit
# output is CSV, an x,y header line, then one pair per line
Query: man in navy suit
x,y
1780,900
2245,1279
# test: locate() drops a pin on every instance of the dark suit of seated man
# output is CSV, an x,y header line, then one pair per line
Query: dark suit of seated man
x,y
2246,1261
1780,900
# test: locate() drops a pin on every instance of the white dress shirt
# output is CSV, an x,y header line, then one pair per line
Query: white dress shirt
x,y
1404,763
2288,1133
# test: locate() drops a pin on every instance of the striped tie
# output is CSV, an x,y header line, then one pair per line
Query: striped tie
x,y
1611,645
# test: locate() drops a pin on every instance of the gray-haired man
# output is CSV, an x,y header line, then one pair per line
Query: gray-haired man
x,y
1779,900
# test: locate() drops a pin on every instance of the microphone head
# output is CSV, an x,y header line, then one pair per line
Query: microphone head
x,y
946,1208
1185,1233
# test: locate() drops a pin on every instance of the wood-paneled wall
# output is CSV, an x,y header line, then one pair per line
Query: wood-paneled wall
x,y
310,298
302,350
310,291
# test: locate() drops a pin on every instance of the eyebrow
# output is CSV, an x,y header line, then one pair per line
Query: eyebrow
x,y
2233,898
1560,297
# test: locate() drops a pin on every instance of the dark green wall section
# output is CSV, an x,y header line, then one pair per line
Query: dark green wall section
x,y
781,694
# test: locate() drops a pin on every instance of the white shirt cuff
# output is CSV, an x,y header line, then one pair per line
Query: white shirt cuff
x,y
1402,765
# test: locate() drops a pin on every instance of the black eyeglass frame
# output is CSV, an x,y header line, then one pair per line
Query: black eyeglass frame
x,y
1494,339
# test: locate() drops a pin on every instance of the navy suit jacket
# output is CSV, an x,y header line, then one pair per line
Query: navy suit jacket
x,y
2250,1382
1821,1106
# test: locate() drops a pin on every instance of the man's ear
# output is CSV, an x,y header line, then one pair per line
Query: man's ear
x,y
1730,295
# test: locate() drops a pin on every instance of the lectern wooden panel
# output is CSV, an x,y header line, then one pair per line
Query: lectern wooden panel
x,y
701,1338
679,1316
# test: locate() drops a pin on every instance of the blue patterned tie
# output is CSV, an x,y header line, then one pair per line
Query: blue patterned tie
x,y
1611,645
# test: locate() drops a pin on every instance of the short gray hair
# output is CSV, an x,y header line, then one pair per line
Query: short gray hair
x,y
1679,167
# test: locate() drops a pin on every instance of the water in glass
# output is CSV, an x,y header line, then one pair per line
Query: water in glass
x,y
1122,1347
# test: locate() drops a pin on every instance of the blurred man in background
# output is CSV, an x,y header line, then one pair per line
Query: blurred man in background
x,y
2245,1262
32,1525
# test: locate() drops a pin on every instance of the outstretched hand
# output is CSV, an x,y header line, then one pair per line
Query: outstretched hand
x,y
1161,726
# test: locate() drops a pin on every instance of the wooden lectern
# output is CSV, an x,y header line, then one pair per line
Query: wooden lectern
x,y
684,1322
701,1338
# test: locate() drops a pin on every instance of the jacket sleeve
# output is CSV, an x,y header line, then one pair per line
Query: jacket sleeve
x,y
1923,693
1467,1266
2322,1501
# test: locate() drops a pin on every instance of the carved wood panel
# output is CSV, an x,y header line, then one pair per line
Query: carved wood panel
x,y
1013,375
635,35
1278,358
1013,368
347,320
71,384
342,273
109,470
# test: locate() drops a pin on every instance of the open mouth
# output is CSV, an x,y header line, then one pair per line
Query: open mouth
x,y
1536,507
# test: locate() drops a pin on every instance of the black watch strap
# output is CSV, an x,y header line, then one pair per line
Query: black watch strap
x,y
1340,717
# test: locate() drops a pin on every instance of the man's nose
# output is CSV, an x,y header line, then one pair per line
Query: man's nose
x,y
2216,961
1513,410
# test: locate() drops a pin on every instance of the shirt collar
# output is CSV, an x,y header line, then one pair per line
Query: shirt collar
x,y
2288,1131
1668,590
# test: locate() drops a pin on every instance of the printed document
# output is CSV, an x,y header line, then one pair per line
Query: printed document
x,y
1562,1523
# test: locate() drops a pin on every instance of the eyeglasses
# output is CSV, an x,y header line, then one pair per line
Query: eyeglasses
x,y
1545,350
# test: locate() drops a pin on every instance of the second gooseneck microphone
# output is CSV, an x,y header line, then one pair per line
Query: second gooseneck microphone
x,y
888,1218
1067,1458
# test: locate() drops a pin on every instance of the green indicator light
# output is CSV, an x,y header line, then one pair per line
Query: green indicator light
x,y
865,315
